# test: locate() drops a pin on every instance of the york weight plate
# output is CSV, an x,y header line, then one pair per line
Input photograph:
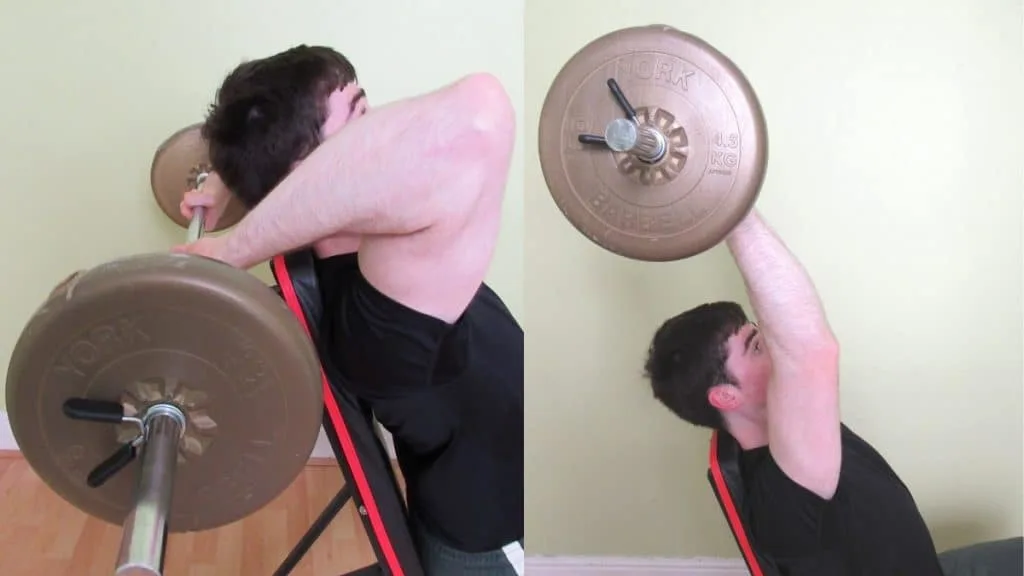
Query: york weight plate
x,y
211,339
710,122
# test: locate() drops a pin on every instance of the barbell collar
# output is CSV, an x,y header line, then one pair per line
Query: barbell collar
x,y
643,141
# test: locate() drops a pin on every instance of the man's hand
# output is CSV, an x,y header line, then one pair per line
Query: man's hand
x,y
213,195
214,247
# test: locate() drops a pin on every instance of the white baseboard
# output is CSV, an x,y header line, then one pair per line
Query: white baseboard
x,y
322,448
6,436
615,566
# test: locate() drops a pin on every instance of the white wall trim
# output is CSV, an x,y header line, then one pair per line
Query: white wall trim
x,y
6,436
322,448
621,566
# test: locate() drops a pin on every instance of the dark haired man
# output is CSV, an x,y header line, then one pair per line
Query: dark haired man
x,y
819,500
402,207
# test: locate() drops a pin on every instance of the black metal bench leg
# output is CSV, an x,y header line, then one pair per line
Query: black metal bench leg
x,y
315,531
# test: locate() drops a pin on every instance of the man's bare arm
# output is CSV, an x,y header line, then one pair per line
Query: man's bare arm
x,y
781,292
393,171
803,396
421,181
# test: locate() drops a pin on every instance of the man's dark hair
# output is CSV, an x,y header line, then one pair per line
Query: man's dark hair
x,y
268,114
687,358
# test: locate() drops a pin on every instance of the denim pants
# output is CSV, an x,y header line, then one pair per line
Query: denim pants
x,y
439,559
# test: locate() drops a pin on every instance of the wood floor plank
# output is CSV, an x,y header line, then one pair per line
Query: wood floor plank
x,y
42,534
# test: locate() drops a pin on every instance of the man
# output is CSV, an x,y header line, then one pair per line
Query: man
x,y
819,500
402,206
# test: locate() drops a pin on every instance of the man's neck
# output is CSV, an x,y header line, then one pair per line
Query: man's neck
x,y
749,433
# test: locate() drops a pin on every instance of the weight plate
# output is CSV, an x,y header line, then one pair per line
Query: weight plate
x,y
177,163
716,145
212,339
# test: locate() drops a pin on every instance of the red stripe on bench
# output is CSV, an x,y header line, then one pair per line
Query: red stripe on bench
x,y
347,446
730,509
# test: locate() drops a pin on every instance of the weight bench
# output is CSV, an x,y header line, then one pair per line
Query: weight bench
x,y
370,481
996,558
727,484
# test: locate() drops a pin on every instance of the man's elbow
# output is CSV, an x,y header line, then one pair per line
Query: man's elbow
x,y
486,118
827,350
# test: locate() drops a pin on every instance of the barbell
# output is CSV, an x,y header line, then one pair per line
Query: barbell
x,y
652,143
165,392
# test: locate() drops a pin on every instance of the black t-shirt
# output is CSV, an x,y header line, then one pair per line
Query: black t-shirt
x,y
870,527
450,394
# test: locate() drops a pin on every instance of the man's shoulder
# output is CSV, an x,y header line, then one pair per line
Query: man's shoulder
x,y
851,442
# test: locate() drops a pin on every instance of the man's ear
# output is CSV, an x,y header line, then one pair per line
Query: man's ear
x,y
725,397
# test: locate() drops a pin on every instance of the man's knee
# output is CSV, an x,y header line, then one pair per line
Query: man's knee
x,y
995,558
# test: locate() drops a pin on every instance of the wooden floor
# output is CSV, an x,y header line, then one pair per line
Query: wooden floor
x,y
41,534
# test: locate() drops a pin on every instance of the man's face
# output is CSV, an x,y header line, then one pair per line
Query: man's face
x,y
748,363
343,106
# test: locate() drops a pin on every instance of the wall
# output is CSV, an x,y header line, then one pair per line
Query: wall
x,y
894,176
91,90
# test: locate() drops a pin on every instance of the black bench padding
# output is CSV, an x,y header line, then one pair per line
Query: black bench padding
x,y
727,484
348,424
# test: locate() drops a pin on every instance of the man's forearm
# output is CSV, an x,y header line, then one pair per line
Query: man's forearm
x,y
782,294
385,173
